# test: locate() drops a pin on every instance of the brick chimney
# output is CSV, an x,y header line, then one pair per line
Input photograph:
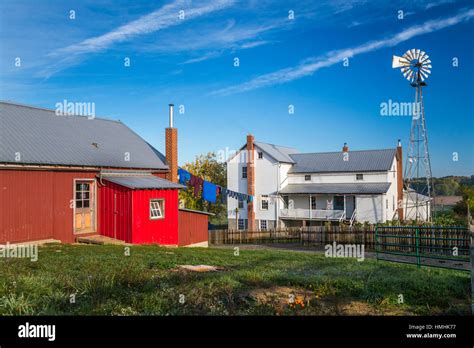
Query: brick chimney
x,y
400,180
172,148
345,148
250,181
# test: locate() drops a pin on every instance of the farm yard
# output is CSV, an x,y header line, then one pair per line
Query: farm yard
x,y
102,280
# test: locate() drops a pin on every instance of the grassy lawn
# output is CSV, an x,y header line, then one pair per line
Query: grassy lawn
x,y
149,282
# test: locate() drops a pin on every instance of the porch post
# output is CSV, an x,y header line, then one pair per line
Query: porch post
x,y
310,206
345,210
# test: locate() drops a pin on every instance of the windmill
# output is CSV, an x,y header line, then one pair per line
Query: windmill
x,y
415,66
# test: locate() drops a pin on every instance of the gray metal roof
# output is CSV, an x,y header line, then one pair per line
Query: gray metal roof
x,y
40,136
142,182
280,153
333,162
366,188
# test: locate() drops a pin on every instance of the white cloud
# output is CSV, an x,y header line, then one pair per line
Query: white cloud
x,y
166,16
313,64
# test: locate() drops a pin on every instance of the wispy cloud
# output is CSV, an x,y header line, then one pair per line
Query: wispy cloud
x,y
165,17
313,64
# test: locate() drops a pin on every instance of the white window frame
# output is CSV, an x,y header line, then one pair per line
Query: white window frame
x,y
244,170
266,225
160,208
240,204
264,198
238,224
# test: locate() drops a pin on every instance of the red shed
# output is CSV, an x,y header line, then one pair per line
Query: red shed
x,y
66,176
139,208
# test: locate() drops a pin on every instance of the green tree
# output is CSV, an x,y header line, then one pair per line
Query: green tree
x,y
467,204
210,169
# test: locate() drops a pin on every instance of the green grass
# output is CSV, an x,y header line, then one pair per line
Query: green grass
x,y
106,282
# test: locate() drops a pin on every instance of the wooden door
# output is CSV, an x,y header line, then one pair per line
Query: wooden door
x,y
84,214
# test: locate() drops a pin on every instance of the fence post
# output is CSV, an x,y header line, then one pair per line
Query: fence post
x,y
376,242
417,243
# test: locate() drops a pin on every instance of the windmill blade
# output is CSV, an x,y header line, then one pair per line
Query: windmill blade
x,y
398,62
422,78
405,69
406,73
417,52
410,75
427,66
422,55
424,58
423,74
428,71
408,55
413,52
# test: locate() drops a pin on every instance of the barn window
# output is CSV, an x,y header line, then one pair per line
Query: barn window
x,y
83,195
157,209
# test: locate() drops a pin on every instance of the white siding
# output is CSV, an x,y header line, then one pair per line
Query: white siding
x,y
337,178
370,208
236,183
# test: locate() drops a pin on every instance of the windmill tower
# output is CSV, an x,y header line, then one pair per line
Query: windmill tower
x,y
416,66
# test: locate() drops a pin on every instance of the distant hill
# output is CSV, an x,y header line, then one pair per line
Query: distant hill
x,y
447,185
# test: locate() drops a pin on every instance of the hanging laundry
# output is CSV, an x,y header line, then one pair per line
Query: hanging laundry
x,y
196,183
184,176
209,192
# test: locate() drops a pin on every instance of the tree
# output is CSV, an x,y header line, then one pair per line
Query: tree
x,y
467,204
210,169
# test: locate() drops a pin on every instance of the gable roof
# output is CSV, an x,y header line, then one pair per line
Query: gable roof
x,y
40,136
333,162
280,153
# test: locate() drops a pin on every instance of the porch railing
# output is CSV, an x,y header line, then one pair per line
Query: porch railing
x,y
312,214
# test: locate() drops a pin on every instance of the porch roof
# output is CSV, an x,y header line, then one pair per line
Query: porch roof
x,y
349,188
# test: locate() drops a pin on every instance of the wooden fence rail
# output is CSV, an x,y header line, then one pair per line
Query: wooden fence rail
x,y
399,239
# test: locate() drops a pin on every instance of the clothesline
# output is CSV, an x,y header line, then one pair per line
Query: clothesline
x,y
209,190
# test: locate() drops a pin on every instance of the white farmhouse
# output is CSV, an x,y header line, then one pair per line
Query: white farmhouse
x,y
293,189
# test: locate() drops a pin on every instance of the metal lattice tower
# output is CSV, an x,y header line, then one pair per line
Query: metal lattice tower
x,y
416,66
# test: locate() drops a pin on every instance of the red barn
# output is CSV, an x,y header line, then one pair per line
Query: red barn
x,y
64,177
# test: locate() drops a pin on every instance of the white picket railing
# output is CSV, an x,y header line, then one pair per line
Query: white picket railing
x,y
312,214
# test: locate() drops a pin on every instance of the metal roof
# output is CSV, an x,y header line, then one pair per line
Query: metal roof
x,y
39,136
333,162
280,153
142,182
368,188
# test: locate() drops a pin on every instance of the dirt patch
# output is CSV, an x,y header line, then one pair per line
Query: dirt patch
x,y
200,268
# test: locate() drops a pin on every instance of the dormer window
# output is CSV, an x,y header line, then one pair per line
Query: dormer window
x,y
359,176
307,177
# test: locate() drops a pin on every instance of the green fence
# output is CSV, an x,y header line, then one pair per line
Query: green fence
x,y
434,246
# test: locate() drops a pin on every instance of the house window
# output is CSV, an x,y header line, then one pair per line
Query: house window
x,y
359,176
260,155
307,177
313,202
244,172
241,224
241,204
285,202
263,225
157,209
264,202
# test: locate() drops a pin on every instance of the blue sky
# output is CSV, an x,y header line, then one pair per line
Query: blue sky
x,y
190,61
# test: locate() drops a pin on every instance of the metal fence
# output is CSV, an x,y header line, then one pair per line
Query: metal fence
x,y
436,246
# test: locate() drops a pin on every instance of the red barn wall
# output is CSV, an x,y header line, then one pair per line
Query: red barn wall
x,y
35,204
115,211
161,231
193,228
